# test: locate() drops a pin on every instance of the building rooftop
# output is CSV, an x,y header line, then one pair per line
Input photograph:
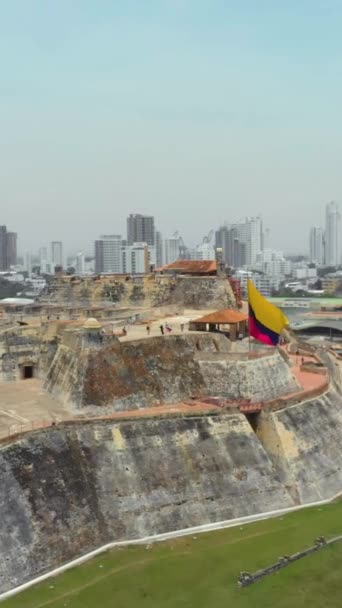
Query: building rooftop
x,y
16,302
222,317
192,266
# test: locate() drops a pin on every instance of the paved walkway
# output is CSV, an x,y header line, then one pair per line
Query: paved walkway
x,y
25,403
138,331
308,380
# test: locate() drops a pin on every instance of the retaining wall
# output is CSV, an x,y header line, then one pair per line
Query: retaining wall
x,y
303,442
168,369
259,379
71,489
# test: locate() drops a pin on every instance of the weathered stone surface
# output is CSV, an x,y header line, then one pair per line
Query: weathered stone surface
x,y
68,490
256,379
304,442
168,369
131,374
152,290
23,346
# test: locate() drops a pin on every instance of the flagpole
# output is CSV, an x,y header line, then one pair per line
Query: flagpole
x,y
249,329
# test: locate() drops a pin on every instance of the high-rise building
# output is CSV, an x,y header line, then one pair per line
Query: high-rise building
x,y
80,263
233,249
140,229
241,243
317,245
172,249
28,262
204,251
108,254
274,265
135,258
44,261
11,249
159,249
57,253
3,248
251,234
332,234
8,249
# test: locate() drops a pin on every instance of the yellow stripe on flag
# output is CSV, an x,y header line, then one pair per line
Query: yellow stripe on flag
x,y
266,313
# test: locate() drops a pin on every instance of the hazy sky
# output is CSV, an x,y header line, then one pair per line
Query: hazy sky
x,y
196,111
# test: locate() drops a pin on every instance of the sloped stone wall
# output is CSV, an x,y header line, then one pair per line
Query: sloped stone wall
x,y
169,369
304,443
68,490
132,374
257,379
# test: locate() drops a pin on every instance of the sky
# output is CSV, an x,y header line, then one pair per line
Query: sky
x,y
195,111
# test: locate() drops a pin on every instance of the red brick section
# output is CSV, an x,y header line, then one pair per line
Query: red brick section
x,y
308,380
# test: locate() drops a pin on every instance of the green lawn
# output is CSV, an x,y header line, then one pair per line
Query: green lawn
x,y
202,571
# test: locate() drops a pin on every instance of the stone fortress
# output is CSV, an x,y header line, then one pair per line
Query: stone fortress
x,y
112,432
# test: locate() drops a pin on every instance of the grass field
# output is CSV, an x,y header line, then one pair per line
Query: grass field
x,y
202,571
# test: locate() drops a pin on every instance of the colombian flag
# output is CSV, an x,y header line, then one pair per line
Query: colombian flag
x,y
266,321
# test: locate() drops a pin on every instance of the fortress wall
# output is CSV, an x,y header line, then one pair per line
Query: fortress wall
x,y
257,379
68,490
65,375
131,374
142,373
17,348
151,291
304,442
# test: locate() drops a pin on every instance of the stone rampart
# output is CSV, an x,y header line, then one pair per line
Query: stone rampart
x,y
149,291
70,489
261,379
303,442
169,369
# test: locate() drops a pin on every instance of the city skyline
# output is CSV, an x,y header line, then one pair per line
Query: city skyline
x,y
241,240
71,248
172,109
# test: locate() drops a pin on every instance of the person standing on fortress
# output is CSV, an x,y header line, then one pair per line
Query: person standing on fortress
x,y
148,329
162,330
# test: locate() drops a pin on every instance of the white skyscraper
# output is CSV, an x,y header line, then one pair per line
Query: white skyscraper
x,y
159,249
135,258
204,251
56,254
317,245
332,234
80,263
172,249
28,262
44,260
250,235
108,255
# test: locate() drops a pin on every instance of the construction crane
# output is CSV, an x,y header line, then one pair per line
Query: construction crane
x,y
183,250
209,237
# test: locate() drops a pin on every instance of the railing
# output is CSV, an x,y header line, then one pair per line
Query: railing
x,y
246,578
15,429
